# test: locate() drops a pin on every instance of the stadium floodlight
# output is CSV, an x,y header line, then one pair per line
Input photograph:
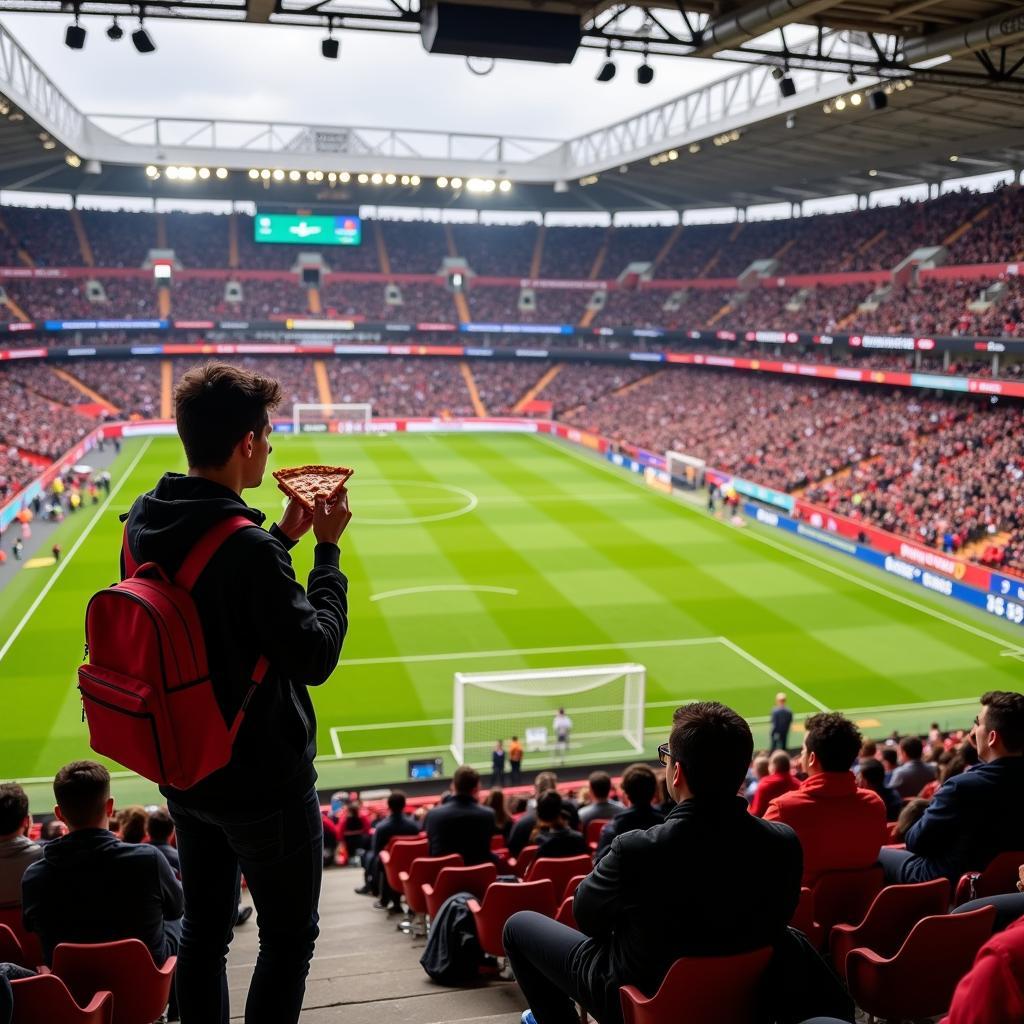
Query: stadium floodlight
x,y
295,175
172,173
115,32
73,160
253,173
607,71
142,39
363,179
442,182
456,183
415,180
222,173
856,99
278,174
344,177
204,173
74,35
152,172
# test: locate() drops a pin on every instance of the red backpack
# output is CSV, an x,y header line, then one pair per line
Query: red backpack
x,y
146,691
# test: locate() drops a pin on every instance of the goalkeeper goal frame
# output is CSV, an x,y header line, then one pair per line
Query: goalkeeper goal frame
x,y
547,684
336,414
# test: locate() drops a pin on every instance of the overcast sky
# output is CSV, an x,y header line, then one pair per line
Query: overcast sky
x,y
273,72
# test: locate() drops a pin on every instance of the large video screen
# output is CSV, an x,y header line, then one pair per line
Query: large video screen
x,y
295,230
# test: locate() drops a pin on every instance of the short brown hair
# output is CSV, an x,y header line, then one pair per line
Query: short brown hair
x,y
465,780
160,827
544,782
713,745
600,784
640,784
132,822
834,740
216,405
1006,717
81,789
13,808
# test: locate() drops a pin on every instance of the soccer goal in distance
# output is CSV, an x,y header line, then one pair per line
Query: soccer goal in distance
x,y
604,702
342,418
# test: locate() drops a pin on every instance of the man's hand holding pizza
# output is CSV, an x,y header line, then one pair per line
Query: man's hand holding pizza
x,y
296,521
329,521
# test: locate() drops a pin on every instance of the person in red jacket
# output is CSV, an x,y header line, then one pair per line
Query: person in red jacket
x,y
840,826
992,991
775,784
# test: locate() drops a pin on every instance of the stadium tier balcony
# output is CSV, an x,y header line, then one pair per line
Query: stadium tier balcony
x,y
413,247
934,307
199,240
401,387
255,255
46,235
570,253
497,250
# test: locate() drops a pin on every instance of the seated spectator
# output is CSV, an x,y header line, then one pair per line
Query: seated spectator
x,y
396,824
132,824
161,830
976,815
502,819
871,775
913,774
890,761
775,784
461,825
992,991
91,887
635,914
641,788
600,806
840,826
17,851
523,828
759,771
551,836
52,829
355,829
910,815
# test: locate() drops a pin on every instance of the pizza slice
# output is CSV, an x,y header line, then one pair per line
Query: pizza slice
x,y
304,483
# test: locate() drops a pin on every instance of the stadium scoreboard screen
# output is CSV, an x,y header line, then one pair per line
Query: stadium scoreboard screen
x,y
314,230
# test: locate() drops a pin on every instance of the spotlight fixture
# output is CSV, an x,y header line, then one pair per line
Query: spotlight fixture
x,y
878,100
253,173
295,175
142,39
787,87
856,99
414,180
778,74
73,160
607,72
851,78
694,147
644,73
222,173
344,177
363,178
840,104
456,183
74,35
115,31
277,174
204,173
330,46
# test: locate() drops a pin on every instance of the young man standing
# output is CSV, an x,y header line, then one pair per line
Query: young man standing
x,y
515,761
260,813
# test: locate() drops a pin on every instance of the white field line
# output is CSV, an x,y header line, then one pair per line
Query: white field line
x,y
59,571
460,588
780,679
794,552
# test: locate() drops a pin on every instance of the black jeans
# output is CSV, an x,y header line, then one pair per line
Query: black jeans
x,y
281,856
1009,907
540,951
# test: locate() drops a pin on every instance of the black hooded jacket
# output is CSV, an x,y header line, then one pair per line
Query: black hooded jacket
x,y
250,604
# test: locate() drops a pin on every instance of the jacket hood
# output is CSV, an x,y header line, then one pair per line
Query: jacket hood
x,y
165,523
78,848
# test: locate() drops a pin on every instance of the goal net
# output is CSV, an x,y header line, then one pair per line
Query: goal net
x,y
686,471
605,704
350,418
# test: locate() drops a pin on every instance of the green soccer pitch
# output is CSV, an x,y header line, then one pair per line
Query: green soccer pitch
x,y
487,552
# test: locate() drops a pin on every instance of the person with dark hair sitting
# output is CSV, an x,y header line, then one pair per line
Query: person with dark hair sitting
x,y
462,825
641,787
396,824
600,806
17,851
871,775
91,887
523,828
890,762
780,780
913,774
551,836
840,826
160,828
667,892
976,815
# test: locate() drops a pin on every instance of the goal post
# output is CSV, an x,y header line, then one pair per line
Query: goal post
x,y
686,471
604,702
340,418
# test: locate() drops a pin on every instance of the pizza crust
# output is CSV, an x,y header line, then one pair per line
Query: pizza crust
x,y
304,483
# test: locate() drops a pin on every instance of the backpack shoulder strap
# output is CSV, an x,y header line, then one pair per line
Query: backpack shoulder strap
x,y
130,565
206,547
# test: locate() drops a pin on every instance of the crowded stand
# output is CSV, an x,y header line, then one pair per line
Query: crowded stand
x,y
578,385
628,245
119,239
34,424
198,239
497,250
47,236
696,251
999,235
132,386
401,387
571,253
500,304
195,298
414,247
501,385
45,381
15,471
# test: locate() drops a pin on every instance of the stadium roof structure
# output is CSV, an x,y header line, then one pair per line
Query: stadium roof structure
x,y
948,76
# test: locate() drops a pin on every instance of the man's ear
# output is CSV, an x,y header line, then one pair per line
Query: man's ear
x,y
247,444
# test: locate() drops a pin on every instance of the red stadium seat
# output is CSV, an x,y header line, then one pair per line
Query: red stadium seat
x,y
521,864
565,915
397,858
45,1000
593,833
920,979
843,897
999,877
701,990
572,885
10,948
889,920
423,870
31,947
561,870
141,989
501,901
473,879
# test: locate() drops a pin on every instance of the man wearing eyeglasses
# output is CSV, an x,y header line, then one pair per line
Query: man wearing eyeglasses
x,y
976,815
682,888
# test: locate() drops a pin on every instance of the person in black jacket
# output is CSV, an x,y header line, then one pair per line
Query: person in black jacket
x,y
397,823
260,813
523,828
640,785
976,815
551,836
91,887
713,880
461,825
